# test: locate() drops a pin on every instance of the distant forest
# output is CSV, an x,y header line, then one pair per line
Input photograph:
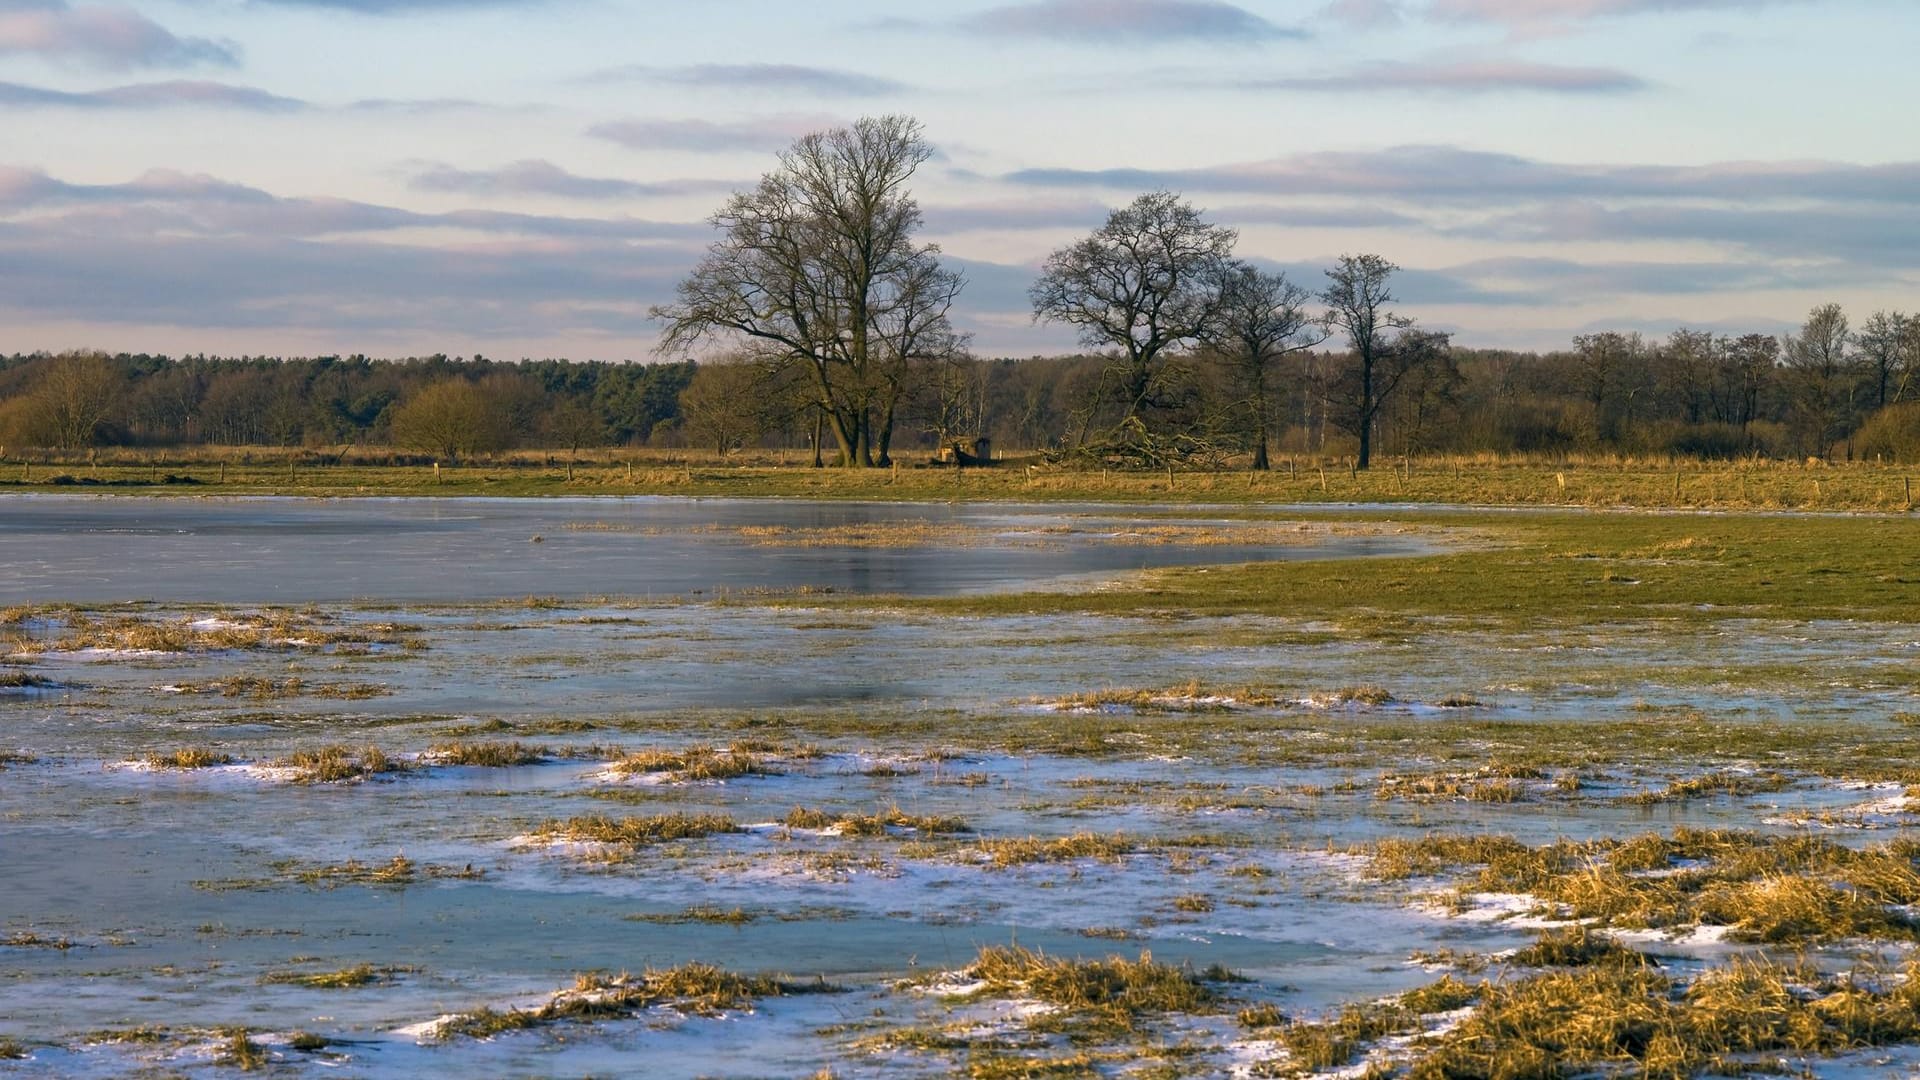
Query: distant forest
x,y
1826,393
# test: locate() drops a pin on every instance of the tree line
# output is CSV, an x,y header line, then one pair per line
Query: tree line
x,y
823,322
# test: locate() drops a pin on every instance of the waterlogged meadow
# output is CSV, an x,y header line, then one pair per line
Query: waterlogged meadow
x,y
925,791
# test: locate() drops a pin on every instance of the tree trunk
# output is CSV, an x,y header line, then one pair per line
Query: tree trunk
x,y
1367,407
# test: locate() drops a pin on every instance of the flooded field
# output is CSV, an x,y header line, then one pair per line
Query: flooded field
x,y
680,788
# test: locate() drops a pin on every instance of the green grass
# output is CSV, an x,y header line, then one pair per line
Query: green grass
x,y
1557,569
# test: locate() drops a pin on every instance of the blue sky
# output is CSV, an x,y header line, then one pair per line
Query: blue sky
x,y
525,178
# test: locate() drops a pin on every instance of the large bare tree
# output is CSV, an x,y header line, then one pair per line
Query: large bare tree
x,y
1884,341
1145,285
1820,377
1384,347
817,268
1260,320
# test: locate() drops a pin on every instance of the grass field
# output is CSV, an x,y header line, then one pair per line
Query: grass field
x,y
1643,483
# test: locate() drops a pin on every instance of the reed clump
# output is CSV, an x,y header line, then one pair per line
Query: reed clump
x,y
1114,992
634,832
1003,852
339,764
192,757
491,755
1191,696
239,1051
1623,1015
879,824
1710,785
696,988
694,764
347,978
1761,888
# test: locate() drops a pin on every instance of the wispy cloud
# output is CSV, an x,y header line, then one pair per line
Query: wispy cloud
x,y
395,7
1128,21
189,250
1475,177
1545,15
154,95
104,36
710,136
1015,215
1456,77
769,78
537,177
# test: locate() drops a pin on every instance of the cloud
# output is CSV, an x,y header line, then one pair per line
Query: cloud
x,y
776,78
103,36
1367,13
1129,21
187,250
1865,235
1316,217
1476,177
1015,215
1459,77
709,136
536,177
1534,15
388,7
164,200
155,95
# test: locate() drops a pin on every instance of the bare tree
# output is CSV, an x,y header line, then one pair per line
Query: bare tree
x,y
818,267
1883,342
1261,319
573,425
71,398
1818,366
728,404
452,417
1610,366
1748,365
1145,284
1686,367
1384,346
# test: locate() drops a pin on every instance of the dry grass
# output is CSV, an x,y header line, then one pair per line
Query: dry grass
x,y
700,989
633,832
694,764
882,823
269,630
1004,852
492,755
1188,697
337,764
1371,696
1711,785
193,757
1763,888
240,1052
344,979
1114,992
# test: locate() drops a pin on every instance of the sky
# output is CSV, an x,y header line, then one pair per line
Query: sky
x,y
526,178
